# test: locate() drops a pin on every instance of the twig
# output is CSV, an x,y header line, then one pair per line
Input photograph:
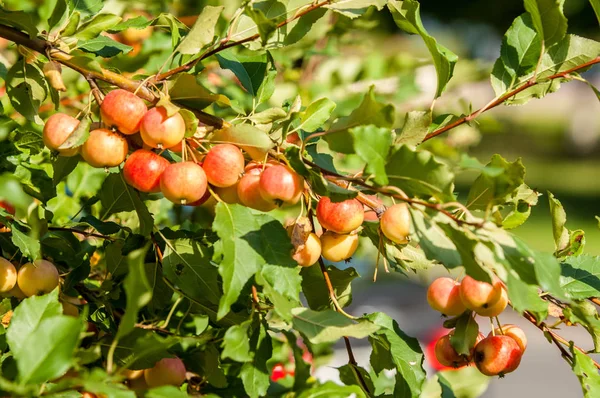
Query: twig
x,y
227,43
331,290
595,300
84,233
507,96
95,90
352,362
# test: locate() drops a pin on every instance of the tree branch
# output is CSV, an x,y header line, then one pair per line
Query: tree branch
x,y
507,96
80,232
116,79
227,43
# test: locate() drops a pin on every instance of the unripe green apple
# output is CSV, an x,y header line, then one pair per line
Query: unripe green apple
x,y
443,295
340,217
338,247
167,371
39,277
395,223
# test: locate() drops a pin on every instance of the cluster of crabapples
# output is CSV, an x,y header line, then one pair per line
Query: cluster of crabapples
x,y
495,355
220,171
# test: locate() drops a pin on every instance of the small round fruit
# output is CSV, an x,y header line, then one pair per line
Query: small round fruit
x,y
395,223
228,194
443,295
249,191
69,309
310,253
341,217
123,110
497,355
338,247
167,371
478,295
16,292
8,275
223,165
513,331
447,355
57,129
278,372
39,277
10,209
104,148
281,185
158,130
496,308
202,200
143,169
183,182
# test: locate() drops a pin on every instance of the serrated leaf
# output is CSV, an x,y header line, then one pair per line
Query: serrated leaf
x,y
236,343
249,69
416,126
27,88
434,242
370,111
60,11
519,54
349,375
548,19
266,27
103,46
316,114
62,166
465,242
98,24
28,245
88,6
372,145
587,373
496,190
355,8
418,173
329,326
393,349
585,314
79,136
186,90
465,334
141,349
407,16
139,22
313,283
202,32
580,276
251,139
250,241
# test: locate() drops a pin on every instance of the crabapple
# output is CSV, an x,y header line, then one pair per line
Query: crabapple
x,y
183,182
370,214
248,189
143,169
104,148
443,295
497,355
447,355
160,130
395,223
8,275
57,129
310,252
496,308
513,331
223,165
123,110
479,295
228,194
167,371
338,247
281,185
340,217
39,277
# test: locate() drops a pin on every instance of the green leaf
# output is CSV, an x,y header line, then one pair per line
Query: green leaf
x,y
165,392
28,245
548,19
525,297
566,243
86,62
202,32
249,69
62,166
251,139
139,22
329,326
596,6
116,196
59,11
186,263
393,349
72,25
88,6
141,349
372,144
250,241
496,190
255,374
332,390
186,90
466,382
465,242
314,288
21,20
137,290
370,111
418,173
434,242
587,373
98,24
465,334
79,136
580,276
415,128
584,313
407,16
266,27
236,343
191,122
27,88
519,54
349,375
355,8
316,114
103,46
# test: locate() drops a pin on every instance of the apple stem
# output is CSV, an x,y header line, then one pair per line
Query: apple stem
x,y
492,325
499,326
